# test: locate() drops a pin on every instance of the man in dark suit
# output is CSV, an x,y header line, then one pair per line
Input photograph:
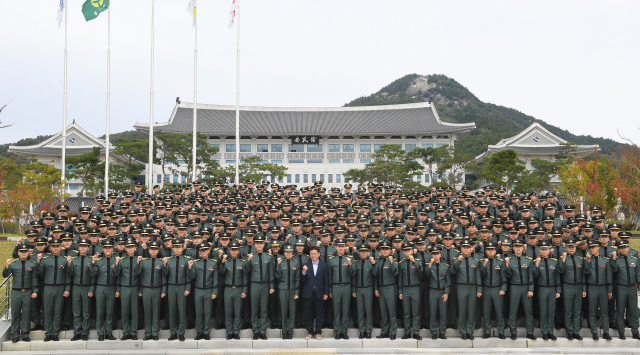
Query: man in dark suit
x,y
315,276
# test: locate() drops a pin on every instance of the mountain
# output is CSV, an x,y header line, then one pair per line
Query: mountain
x,y
456,104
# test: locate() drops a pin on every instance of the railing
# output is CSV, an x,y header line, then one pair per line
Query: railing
x,y
5,297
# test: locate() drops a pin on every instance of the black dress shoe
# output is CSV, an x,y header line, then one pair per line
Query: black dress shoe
x,y
345,336
463,336
207,337
361,336
110,336
76,337
198,337
156,338
173,337
595,337
236,336
124,337
100,337
230,336
405,336
147,338
570,336
47,338
622,337
85,337
55,338
501,336
382,336
606,336
218,327
470,337
417,337
337,336
256,336
636,336
577,337
181,337
531,336
27,339
367,336
15,340
263,336
514,336
434,336
552,337
545,337
486,336
392,337
442,336
133,337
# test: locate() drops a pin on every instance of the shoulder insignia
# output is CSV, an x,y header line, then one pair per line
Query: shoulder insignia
x,y
400,262
294,260
446,264
579,257
631,256
44,257
417,259
530,258
500,259
349,256
554,259
144,258
242,260
331,257
606,257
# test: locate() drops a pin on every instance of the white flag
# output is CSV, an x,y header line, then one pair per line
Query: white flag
x,y
192,10
233,13
61,12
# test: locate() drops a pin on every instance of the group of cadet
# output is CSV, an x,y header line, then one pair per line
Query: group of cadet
x,y
431,259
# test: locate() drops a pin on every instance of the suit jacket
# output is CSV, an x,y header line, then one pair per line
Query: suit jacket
x,y
320,281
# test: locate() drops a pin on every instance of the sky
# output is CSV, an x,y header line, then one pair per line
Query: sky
x,y
573,64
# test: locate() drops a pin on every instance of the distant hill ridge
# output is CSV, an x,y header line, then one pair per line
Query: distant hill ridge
x,y
456,104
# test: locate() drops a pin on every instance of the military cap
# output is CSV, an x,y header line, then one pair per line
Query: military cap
x,y
624,235
594,243
181,226
364,247
108,242
23,247
341,242
154,245
274,244
67,236
177,242
203,246
623,244
544,244
48,215
407,246
490,245
466,242
570,243
505,241
614,226
112,225
61,219
259,239
385,244
84,242
41,240
166,237
448,235
518,242
224,236
604,233
288,249
57,229
436,250
130,242
31,233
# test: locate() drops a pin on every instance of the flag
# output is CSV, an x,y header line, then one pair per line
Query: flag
x,y
232,13
92,8
61,12
192,10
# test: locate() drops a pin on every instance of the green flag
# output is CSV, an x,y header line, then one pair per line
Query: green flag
x,y
92,8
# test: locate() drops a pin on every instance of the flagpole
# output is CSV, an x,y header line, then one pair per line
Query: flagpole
x,y
106,148
64,104
149,184
238,97
195,93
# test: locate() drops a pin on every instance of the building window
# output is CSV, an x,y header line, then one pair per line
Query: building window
x,y
365,147
435,177
427,146
426,178
296,161
314,148
409,147
305,178
334,161
297,178
322,177
276,148
282,180
276,161
175,179
376,147
180,162
296,147
442,137
330,178
199,176
313,177
215,146
347,147
184,179
334,148
419,178
74,187
231,148
365,161
288,178
167,178
441,145
347,161
314,161
263,148
231,161
159,178
261,161
245,148
338,178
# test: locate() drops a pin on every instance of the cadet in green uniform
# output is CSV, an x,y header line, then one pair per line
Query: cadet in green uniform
x,y
152,289
301,258
128,289
56,286
409,272
521,288
439,287
494,285
546,272
362,289
469,283
24,288
423,254
204,272
340,273
385,290
36,303
262,284
178,288
236,282
573,267
79,270
627,277
104,273
288,274
599,289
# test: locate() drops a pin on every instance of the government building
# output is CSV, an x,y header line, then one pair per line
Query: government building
x,y
315,144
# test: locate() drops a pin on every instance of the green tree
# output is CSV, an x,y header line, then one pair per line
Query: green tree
x,y
250,168
177,150
123,175
430,158
391,166
453,162
503,168
88,168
